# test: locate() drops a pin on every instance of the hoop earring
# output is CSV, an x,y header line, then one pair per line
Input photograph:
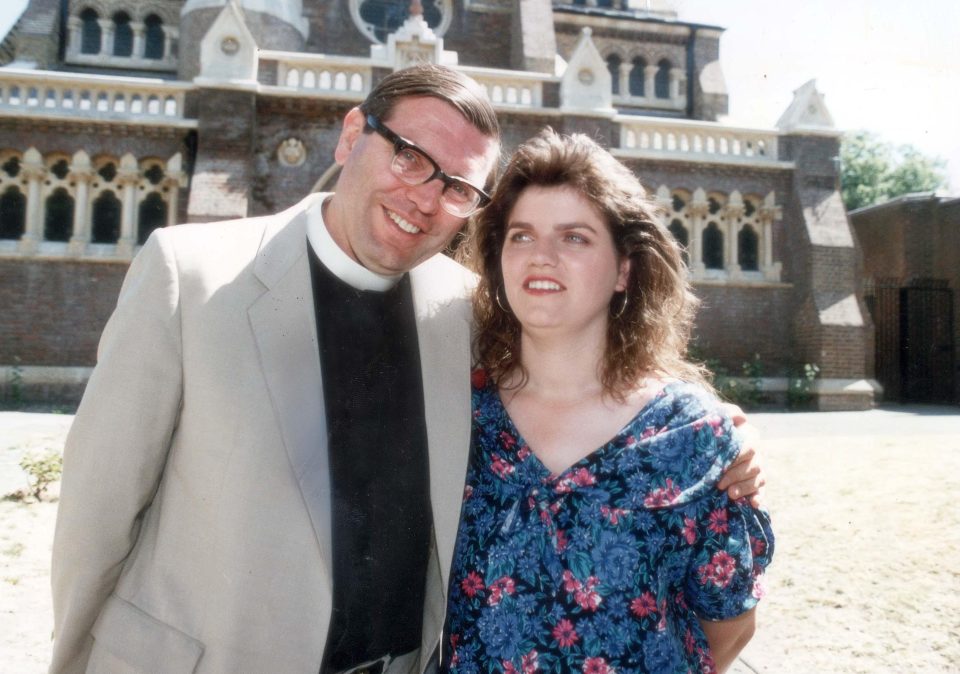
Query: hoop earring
x,y
623,307
496,296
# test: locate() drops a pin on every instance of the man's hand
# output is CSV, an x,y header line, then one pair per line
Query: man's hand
x,y
744,477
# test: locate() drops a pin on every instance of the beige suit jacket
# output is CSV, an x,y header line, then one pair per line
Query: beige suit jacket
x,y
194,527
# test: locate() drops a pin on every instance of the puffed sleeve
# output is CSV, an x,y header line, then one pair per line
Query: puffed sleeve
x,y
732,545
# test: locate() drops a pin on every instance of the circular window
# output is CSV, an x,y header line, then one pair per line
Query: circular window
x,y
378,18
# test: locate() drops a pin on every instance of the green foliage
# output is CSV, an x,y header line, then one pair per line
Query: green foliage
x,y
14,397
872,171
800,385
43,470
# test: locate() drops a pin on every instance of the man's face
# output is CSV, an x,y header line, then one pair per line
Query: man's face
x,y
381,222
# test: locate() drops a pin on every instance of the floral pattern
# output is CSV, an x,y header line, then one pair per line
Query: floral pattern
x,y
606,567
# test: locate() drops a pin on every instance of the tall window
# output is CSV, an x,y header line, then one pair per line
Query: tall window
x,y
661,83
154,37
153,214
748,249
106,218
613,65
90,34
680,234
637,76
122,35
58,222
713,247
13,213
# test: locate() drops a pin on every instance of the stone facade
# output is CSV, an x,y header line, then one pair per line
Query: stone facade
x,y
240,115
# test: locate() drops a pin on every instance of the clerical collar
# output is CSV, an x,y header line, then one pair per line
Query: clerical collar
x,y
337,261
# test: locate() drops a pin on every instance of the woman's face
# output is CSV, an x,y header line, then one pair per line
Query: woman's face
x,y
560,267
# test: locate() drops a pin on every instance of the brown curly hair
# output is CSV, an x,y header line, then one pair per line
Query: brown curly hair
x,y
648,327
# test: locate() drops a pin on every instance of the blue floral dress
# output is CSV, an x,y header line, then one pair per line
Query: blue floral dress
x,y
606,567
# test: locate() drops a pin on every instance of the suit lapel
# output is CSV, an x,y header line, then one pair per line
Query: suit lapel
x,y
443,332
284,327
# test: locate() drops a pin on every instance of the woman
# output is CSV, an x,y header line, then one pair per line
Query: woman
x,y
592,537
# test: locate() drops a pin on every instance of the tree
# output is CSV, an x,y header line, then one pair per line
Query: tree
x,y
872,171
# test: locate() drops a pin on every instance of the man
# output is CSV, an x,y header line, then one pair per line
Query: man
x,y
266,469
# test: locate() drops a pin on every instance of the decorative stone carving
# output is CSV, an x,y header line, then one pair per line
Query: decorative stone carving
x,y
292,152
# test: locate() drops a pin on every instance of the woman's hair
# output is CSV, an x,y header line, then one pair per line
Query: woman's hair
x,y
648,326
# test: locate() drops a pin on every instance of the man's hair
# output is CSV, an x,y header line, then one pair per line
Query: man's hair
x,y
648,331
446,84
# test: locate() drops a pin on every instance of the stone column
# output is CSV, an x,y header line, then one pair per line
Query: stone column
x,y
173,180
731,214
767,213
698,210
650,82
81,173
106,37
75,37
676,75
34,172
138,42
128,177
623,77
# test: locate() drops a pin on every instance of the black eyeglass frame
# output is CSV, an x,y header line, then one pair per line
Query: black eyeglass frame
x,y
400,144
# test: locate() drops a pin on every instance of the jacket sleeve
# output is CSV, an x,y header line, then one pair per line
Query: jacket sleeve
x,y
117,448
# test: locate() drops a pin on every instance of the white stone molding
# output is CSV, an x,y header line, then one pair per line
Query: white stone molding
x,y
732,213
699,209
807,113
228,51
585,86
174,179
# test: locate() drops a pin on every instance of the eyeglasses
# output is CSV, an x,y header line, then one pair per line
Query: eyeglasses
x,y
415,167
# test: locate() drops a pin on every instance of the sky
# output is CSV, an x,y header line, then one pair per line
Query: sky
x,y
885,66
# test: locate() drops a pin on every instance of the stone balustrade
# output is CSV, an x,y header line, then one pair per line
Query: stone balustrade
x,y
318,73
510,89
53,95
695,140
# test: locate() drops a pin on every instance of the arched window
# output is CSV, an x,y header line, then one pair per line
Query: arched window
x,y
153,214
680,234
58,223
613,65
122,35
106,218
154,37
90,35
637,77
605,3
13,213
661,83
713,247
748,254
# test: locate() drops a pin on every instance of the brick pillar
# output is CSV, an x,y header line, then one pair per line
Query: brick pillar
x,y
223,171
829,326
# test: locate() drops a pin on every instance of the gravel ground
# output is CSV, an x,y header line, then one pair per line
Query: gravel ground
x,y
866,576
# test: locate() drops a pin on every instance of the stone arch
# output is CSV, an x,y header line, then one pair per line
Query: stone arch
x,y
13,212
154,39
91,35
636,81
661,81
748,248
122,33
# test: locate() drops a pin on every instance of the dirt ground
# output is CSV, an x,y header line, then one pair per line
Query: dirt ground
x,y
866,576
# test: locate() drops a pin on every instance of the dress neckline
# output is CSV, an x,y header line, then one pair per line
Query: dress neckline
x,y
546,474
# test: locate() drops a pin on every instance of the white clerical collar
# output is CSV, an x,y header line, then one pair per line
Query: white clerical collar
x,y
337,261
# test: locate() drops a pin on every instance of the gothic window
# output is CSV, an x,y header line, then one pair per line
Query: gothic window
x,y
58,222
106,218
748,249
122,35
153,214
661,82
713,247
154,37
613,65
90,35
605,3
11,167
379,18
680,234
13,213
637,77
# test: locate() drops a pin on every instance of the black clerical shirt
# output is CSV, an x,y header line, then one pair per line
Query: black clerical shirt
x,y
379,474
